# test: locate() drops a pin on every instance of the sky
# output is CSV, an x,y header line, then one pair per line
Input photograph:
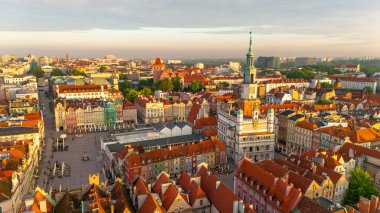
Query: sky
x,y
190,28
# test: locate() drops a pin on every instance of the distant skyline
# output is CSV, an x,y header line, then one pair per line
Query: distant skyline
x,y
190,29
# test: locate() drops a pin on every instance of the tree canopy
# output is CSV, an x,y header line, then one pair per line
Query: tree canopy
x,y
299,73
77,72
195,86
223,85
57,72
369,89
326,85
360,184
164,85
177,84
323,102
103,68
38,72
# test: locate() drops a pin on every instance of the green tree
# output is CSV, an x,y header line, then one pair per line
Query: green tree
x,y
164,85
124,86
223,85
146,91
131,94
195,86
300,73
177,84
103,68
146,82
369,89
323,102
326,85
78,72
360,184
38,72
57,72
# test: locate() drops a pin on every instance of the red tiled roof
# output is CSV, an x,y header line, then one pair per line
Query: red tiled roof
x,y
163,178
364,135
196,193
169,196
210,132
184,181
80,88
272,167
334,176
353,150
158,61
6,173
346,66
307,125
279,106
150,205
193,113
32,116
141,188
205,122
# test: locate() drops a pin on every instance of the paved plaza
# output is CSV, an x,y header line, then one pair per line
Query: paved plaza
x,y
79,169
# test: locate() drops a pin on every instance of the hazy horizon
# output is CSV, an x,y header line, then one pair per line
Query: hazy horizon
x,y
190,29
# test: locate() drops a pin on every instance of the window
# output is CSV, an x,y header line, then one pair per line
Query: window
x,y
203,210
201,202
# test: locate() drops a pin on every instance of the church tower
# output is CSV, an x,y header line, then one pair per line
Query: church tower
x,y
249,87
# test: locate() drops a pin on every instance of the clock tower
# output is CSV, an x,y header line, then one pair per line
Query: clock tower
x,y
248,94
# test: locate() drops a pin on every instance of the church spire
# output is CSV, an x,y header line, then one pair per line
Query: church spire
x,y
250,44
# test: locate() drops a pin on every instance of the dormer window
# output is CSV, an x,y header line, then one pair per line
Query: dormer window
x,y
278,203
270,197
258,187
265,191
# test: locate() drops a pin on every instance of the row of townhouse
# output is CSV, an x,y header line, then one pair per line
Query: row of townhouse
x,y
279,185
201,193
300,131
90,91
92,115
20,154
174,160
363,157
153,110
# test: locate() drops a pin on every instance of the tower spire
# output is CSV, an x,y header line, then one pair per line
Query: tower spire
x,y
250,42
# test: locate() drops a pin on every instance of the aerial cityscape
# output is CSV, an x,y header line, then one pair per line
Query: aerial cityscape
x,y
193,106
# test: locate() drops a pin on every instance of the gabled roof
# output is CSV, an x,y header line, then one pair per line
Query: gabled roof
x,y
151,205
196,192
351,150
184,181
162,179
141,188
169,196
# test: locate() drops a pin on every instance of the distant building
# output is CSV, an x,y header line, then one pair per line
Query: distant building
x,y
199,65
235,66
268,62
348,68
305,61
174,61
